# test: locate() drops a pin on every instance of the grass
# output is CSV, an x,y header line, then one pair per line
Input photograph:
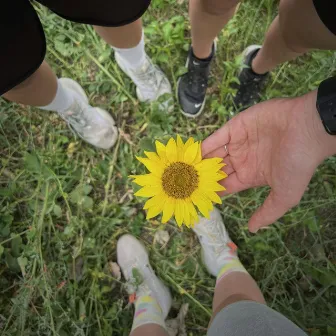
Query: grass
x,y
63,204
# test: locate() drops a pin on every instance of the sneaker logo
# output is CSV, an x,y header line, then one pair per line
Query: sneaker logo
x,y
198,105
196,63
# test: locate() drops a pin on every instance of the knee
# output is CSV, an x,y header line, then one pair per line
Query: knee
x,y
219,7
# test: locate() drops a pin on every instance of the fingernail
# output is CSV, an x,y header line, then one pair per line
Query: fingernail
x,y
254,230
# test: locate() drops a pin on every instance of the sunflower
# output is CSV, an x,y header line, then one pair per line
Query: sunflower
x,y
178,180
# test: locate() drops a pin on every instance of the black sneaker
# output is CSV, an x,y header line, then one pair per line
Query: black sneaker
x,y
251,84
192,86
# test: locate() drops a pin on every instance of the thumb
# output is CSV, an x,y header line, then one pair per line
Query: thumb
x,y
274,207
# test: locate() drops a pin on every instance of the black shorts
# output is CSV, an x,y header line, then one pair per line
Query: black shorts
x,y
23,44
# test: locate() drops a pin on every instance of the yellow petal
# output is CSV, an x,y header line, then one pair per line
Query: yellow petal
x,y
149,191
213,196
209,164
199,155
203,204
189,142
153,166
179,212
186,214
210,185
179,142
168,210
152,156
171,150
191,208
158,199
147,179
179,146
154,211
190,153
160,149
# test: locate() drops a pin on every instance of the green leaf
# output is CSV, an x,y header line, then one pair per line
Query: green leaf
x,y
137,276
6,219
12,263
105,55
324,276
16,246
87,202
87,189
82,310
331,331
32,163
167,29
1,250
147,144
57,210
5,231
23,262
79,193
311,222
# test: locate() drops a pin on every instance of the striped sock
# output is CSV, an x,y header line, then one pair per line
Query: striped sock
x,y
233,265
147,311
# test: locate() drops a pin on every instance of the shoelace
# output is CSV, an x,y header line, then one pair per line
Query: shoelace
x,y
78,120
219,237
151,77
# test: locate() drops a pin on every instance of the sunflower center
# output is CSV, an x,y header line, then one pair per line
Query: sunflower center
x,y
179,180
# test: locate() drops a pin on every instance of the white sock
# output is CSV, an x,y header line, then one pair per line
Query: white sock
x,y
62,101
147,311
135,56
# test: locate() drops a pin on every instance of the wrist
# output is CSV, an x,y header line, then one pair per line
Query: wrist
x,y
322,143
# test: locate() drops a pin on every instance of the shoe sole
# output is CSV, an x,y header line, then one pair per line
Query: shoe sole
x,y
191,116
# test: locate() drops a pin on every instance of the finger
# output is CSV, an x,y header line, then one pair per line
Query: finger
x,y
233,185
228,169
274,207
218,139
220,152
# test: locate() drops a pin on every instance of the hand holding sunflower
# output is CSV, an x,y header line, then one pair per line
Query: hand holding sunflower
x,y
178,180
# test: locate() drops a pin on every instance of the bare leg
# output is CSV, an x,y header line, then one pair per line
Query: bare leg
x,y
149,329
122,37
234,287
296,30
38,90
274,50
207,20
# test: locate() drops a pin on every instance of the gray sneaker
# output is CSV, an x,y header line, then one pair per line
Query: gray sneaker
x,y
92,124
151,83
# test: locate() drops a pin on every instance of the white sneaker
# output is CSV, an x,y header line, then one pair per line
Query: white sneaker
x,y
217,247
151,83
133,259
92,124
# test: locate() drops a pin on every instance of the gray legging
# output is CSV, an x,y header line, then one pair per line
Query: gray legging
x,y
248,318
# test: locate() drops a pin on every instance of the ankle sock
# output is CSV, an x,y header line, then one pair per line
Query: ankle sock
x,y
147,311
62,101
135,56
250,65
233,265
207,59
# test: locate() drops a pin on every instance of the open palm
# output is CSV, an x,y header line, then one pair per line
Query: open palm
x,y
269,144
